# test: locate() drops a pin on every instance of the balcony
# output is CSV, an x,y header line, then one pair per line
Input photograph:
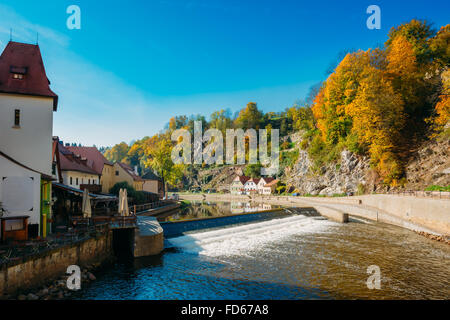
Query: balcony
x,y
92,188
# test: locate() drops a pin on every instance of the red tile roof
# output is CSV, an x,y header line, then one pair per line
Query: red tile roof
x,y
271,183
243,179
95,158
130,171
24,59
267,179
70,162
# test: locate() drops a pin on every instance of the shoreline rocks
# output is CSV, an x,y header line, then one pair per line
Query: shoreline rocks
x,y
434,237
57,289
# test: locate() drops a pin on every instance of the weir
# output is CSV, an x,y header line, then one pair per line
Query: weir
x,y
149,234
235,239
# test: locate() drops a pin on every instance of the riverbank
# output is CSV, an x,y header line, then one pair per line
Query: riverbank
x,y
35,272
57,289
426,215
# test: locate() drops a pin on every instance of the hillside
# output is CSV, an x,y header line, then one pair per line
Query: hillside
x,y
428,165
362,129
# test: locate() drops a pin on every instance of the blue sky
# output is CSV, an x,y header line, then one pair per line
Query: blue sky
x,y
135,64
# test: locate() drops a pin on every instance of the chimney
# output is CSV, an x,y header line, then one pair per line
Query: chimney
x,y
136,171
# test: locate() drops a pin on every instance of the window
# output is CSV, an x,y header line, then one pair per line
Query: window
x,y
89,181
14,225
71,181
17,118
117,173
77,181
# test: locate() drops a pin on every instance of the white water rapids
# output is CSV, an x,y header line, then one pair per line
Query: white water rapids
x,y
239,239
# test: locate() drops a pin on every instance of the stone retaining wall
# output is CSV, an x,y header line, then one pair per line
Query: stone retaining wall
x,y
30,272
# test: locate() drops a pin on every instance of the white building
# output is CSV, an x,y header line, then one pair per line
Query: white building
x,y
26,122
247,185
266,185
251,186
237,185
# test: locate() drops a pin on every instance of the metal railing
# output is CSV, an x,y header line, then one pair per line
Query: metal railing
x,y
18,250
148,206
424,194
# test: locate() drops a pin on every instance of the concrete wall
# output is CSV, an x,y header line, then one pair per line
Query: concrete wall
x,y
148,237
332,214
433,214
31,143
422,214
148,245
34,271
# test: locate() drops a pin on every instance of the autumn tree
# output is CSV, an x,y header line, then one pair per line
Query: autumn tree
x,y
158,154
117,153
440,46
417,33
378,118
220,120
249,117
442,108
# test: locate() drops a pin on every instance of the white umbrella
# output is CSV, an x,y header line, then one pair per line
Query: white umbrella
x,y
86,205
125,209
120,202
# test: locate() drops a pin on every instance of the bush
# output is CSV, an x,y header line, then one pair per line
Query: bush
x,y
253,170
288,158
285,145
361,189
121,185
138,197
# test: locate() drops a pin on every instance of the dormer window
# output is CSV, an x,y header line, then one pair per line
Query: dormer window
x,y
18,73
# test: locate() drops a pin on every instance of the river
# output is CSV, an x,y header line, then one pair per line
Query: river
x,y
284,256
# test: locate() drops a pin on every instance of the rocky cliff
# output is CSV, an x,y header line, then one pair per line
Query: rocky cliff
x,y
429,165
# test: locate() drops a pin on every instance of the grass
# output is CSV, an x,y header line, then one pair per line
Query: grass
x,y
437,188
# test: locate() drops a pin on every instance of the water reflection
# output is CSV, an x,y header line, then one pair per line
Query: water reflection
x,y
199,210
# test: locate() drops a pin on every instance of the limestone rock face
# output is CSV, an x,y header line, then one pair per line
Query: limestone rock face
x,y
429,165
339,178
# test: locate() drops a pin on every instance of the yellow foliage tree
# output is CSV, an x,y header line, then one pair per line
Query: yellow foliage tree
x,y
442,108
378,117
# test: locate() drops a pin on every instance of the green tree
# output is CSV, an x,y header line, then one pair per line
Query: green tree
x,y
249,117
253,170
159,159
117,153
